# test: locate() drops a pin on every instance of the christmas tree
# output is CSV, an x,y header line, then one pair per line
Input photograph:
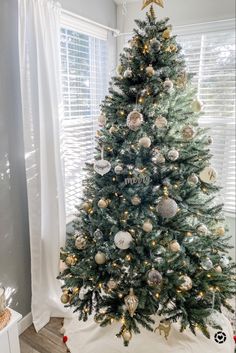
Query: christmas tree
x,y
149,236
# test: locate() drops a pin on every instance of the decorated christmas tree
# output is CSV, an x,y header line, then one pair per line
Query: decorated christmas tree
x,y
149,238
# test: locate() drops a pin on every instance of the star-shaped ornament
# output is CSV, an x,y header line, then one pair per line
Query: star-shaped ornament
x,y
148,2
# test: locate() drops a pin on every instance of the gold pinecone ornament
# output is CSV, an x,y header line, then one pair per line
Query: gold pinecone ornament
x,y
131,302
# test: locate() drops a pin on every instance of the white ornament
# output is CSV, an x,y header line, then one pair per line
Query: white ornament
x,y
134,120
150,71
83,291
202,229
118,169
102,167
135,200
145,142
168,85
100,258
193,179
197,106
161,122
173,155
208,175
207,264
147,226
102,120
218,269
167,207
174,246
123,240
128,73
224,261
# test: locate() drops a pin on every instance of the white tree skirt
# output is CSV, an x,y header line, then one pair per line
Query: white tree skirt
x,y
89,337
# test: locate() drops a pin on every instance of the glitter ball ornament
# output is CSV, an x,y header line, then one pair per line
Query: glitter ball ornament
x,y
118,169
159,159
161,122
173,155
202,229
224,261
80,242
100,258
102,203
166,34
218,269
98,235
150,71
147,226
128,73
112,284
71,260
207,264
208,175
186,284
154,278
127,336
123,240
174,246
102,120
168,85
167,207
145,142
220,231
134,120
193,179
135,200
197,106
102,167
65,298
131,302
188,132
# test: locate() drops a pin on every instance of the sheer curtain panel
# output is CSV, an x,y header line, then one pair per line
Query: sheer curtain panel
x,y
39,50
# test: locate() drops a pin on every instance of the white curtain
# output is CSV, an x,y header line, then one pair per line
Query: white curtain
x,y
39,50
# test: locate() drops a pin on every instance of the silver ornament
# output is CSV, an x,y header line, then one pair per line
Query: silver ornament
x,y
128,73
186,284
159,159
207,264
98,235
134,120
155,44
118,169
145,142
154,278
131,302
208,175
193,179
202,229
224,261
161,122
168,85
102,167
167,207
123,240
173,155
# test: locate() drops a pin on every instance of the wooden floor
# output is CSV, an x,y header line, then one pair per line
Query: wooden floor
x,y
48,340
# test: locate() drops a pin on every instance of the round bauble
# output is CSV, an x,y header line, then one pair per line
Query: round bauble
x,y
220,231
161,122
71,260
86,206
123,240
112,129
207,264
193,179
65,298
145,142
166,34
224,261
174,246
197,106
187,283
102,120
168,84
100,258
112,284
159,159
188,132
98,235
208,175
154,278
102,166
119,69
80,242
135,200
155,44
210,140
128,73
150,71
134,120
202,229
127,336
147,226
173,155
118,169
102,203
218,269
167,207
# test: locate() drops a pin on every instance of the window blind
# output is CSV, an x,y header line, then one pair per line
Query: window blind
x,y
84,83
211,57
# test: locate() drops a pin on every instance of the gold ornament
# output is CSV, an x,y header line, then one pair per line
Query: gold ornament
x,y
131,302
167,33
149,2
80,242
188,132
100,258
145,142
135,200
187,283
182,80
197,106
218,269
150,71
112,129
174,246
71,260
164,326
86,206
103,203
147,226
220,231
127,336
65,298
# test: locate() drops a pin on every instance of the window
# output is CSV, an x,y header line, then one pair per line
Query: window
x,y
84,83
211,57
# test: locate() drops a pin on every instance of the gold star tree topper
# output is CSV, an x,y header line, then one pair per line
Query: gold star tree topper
x,y
148,2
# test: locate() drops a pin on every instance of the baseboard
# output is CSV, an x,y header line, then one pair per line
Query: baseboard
x,y
24,323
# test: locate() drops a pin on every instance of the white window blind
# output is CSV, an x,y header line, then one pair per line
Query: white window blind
x,y
84,82
211,57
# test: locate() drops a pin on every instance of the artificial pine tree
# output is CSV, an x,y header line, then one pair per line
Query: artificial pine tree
x,y
149,235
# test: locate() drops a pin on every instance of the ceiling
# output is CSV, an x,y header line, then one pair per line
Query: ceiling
x,y
121,1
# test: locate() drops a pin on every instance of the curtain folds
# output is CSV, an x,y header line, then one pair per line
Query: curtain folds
x,y
39,51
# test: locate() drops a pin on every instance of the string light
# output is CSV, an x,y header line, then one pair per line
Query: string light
x,y
128,257
157,295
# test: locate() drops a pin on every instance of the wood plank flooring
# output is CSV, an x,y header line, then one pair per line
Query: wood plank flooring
x,y
48,340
